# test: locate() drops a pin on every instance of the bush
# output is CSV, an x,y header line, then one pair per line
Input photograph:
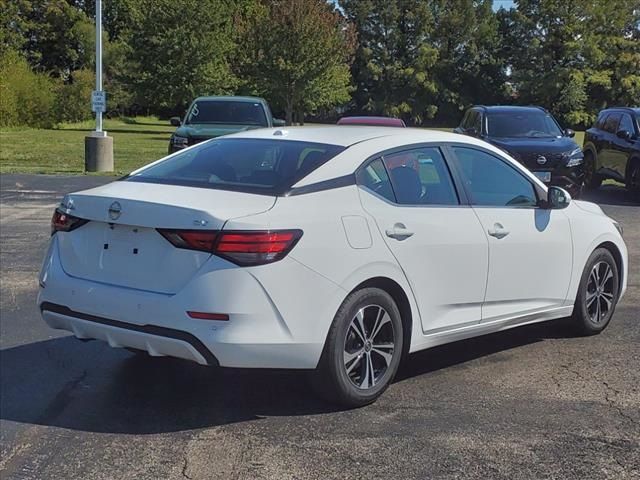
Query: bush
x,y
26,97
73,99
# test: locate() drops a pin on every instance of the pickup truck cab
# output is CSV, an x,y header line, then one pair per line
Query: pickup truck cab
x,y
211,117
612,148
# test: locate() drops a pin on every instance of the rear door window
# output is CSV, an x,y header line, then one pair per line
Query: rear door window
x,y
266,166
421,177
611,123
473,121
626,124
600,121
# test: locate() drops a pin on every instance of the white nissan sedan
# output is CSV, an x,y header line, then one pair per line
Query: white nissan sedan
x,y
333,249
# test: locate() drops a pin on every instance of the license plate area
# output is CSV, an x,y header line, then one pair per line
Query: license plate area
x,y
129,256
122,241
543,176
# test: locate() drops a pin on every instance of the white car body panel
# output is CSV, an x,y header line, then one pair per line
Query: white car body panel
x,y
530,267
445,259
458,281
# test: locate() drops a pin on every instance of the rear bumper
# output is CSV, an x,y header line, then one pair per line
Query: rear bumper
x,y
260,333
156,341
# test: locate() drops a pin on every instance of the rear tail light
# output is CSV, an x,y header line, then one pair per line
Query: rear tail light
x,y
244,248
63,222
203,240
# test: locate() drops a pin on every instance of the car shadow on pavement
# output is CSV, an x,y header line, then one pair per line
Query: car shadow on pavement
x,y
614,195
90,387
452,354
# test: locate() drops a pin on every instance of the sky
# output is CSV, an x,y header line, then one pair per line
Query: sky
x,y
497,4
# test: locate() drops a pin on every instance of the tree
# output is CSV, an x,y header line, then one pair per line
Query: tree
x,y
178,50
296,53
54,34
417,59
470,68
574,57
26,97
394,61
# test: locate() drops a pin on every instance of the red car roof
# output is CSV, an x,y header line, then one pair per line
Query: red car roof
x,y
373,121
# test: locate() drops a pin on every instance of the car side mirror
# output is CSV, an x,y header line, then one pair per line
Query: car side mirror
x,y
557,198
569,133
623,134
175,121
278,122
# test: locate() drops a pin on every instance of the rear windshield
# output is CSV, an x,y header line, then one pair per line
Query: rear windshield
x,y
263,166
227,112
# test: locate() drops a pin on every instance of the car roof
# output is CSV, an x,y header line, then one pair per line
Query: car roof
x,y
346,136
510,108
230,98
372,120
635,110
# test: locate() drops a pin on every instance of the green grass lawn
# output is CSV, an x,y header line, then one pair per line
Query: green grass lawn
x,y
136,142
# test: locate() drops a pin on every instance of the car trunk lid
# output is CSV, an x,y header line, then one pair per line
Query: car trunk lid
x,y
120,244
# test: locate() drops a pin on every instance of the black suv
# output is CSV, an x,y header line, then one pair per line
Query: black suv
x,y
612,148
533,137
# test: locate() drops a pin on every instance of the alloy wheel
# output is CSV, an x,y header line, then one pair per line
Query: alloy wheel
x,y
369,346
600,296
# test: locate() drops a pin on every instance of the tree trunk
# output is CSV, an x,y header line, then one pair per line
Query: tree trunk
x,y
289,111
300,117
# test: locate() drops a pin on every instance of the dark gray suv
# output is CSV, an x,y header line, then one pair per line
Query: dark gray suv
x,y
612,148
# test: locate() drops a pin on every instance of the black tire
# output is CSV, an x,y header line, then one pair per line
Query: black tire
x,y
633,178
331,379
592,180
592,311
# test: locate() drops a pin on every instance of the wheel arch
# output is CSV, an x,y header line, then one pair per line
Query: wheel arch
x,y
401,299
617,256
591,149
633,159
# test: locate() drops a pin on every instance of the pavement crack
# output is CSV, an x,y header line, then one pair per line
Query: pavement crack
x,y
613,405
185,466
571,370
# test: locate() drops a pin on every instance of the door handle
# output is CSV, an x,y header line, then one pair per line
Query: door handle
x,y
498,231
398,232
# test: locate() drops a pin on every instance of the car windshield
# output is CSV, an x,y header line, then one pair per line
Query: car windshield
x,y
263,166
517,125
227,112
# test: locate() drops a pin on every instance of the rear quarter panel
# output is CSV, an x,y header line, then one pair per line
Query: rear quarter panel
x,y
325,249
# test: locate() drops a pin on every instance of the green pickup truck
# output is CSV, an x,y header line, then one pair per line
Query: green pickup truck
x,y
210,117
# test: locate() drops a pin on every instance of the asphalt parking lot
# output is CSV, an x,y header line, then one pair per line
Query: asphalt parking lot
x,y
533,402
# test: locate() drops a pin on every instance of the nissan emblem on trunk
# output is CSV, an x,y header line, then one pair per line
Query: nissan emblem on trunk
x,y
541,160
114,211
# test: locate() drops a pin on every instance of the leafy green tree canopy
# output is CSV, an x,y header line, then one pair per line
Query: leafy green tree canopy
x,y
296,53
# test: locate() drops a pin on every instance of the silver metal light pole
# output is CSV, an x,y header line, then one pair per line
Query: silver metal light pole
x,y
99,63
98,147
